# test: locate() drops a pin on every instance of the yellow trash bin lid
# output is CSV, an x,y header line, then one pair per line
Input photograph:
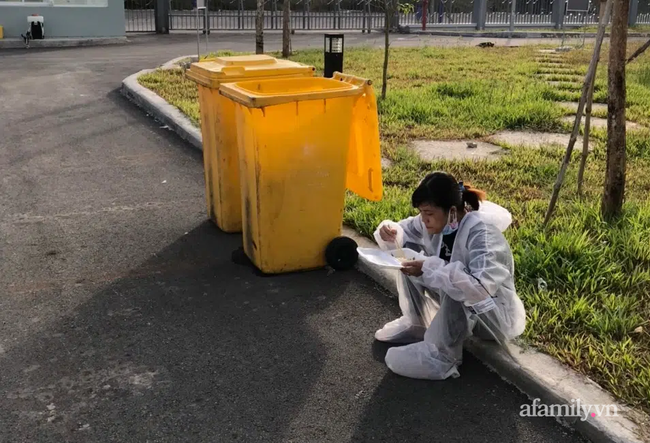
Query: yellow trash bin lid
x,y
363,174
213,72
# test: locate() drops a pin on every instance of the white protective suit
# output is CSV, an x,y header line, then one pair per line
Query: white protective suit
x,y
481,270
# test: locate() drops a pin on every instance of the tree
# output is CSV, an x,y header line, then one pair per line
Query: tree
x,y
259,28
391,9
384,76
286,29
614,193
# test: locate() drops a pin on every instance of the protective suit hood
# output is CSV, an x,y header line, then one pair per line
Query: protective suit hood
x,y
493,214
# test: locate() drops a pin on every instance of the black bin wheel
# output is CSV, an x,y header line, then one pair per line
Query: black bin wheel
x,y
341,253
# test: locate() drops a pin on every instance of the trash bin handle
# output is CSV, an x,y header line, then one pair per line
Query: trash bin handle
x,y
352,79
233,70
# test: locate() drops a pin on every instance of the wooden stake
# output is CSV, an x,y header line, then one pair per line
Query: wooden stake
x,y
639,51
591,73
585,140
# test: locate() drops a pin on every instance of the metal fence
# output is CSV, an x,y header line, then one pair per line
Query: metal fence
x,y
643,11
139,15
233,15
441,13
527,13
245,20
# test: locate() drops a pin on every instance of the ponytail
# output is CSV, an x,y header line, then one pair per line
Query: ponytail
x,y
442,190
471,196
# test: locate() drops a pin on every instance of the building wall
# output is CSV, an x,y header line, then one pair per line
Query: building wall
x,y
66,21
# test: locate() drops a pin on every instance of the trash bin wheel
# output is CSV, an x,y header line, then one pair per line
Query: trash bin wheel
x,y
341,253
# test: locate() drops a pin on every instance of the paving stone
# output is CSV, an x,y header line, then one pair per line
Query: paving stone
x,y
565,85
456,150
567,78
386,163
571,78
559,68
554,62
533,140
573,106
597,122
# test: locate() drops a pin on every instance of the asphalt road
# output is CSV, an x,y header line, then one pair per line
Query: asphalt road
x,y
124,319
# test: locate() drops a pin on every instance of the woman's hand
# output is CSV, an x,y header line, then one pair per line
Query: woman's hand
x,y
412,268
388,234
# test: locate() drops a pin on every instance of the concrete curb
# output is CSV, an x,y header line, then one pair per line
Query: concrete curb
x,y
174,63
536,374
160,109
62,42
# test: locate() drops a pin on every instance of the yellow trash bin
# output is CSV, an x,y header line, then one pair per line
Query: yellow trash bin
x,y
220,157
301,143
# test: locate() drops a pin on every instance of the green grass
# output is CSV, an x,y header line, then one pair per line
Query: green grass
x,y
597,275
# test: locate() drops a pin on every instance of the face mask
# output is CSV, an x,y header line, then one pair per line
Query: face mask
x,y
451,226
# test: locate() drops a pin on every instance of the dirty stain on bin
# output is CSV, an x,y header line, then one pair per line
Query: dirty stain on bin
x,y
220,156
301,143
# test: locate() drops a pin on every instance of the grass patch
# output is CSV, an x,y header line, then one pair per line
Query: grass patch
x,y
597,291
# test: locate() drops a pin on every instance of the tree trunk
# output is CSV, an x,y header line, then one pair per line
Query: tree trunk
x,y
389,15
259,28
286,29
612,203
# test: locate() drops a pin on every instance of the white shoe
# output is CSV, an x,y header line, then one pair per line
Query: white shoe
x,y
401,331
420,361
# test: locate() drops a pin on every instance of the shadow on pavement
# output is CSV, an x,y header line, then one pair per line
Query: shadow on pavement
x,y
471,408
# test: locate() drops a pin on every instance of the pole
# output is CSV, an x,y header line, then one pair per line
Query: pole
x,y
425,8
513,9
207,27
198,36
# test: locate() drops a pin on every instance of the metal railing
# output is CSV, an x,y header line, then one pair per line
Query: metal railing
x,y
234,15
443,13
139,15
527,13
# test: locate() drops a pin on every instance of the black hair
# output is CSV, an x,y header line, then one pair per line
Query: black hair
x,y
441,189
